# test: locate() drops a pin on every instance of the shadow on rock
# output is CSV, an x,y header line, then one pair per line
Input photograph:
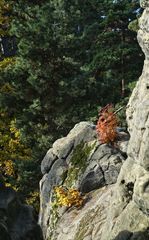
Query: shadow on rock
x,y
126,235
17,221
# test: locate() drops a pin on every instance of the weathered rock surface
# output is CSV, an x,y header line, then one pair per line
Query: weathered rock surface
x,y
17,221
78,161
128,215
84,223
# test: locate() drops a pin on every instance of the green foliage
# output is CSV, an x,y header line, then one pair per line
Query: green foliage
x,y
50,90
80,155
71,57
13,152
116,51
17,167
123,104
122,114
33,200
133,26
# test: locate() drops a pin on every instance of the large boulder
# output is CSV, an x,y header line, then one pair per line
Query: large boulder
x,y
77,161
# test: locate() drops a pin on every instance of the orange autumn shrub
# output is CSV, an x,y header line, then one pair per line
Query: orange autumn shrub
x,y
106,125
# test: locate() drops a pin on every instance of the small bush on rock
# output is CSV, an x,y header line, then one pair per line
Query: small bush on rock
x,y
68,197
106,125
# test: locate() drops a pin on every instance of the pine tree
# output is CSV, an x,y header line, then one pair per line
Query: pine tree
x,y
72,56
107,50
48,84
115,57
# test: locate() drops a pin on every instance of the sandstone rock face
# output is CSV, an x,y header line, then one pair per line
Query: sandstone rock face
x,y
78,161
128,216
86,222
17,221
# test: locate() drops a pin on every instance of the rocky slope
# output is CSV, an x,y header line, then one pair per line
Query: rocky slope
x,y
79,161
112,211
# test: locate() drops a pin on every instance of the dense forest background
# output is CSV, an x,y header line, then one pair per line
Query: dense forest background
x,y
60,61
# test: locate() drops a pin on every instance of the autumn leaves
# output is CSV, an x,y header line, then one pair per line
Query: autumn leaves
x,y
106,125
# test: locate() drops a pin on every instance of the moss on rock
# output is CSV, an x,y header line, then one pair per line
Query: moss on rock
x,y
78,162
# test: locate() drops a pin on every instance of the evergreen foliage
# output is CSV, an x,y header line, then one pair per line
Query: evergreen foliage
x,y
72,56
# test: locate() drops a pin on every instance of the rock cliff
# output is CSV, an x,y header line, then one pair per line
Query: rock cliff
x,y
117,204
79,161
128,216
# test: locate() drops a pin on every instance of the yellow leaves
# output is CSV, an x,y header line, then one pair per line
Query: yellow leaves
x,y
6,62
14,130
9,185
14,142
4,6
8,168
68,197
6,88
33,199
15,145
5,18
12,147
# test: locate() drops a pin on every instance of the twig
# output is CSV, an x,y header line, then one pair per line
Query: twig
x,y
118,110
